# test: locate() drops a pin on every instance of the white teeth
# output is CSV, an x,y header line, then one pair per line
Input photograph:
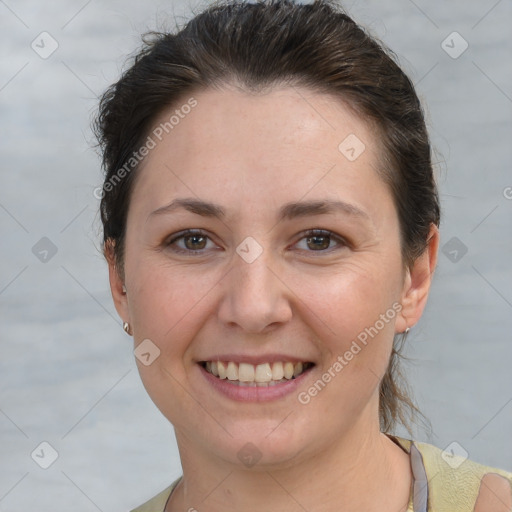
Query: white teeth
x,y
232,371
277,371
265,374
245,372
221,369
288,370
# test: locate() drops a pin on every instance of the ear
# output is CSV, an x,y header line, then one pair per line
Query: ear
x,y
417,283
116,283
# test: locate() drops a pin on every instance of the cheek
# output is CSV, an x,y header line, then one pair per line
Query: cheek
x,y
348,300
354,320
353,313
167,301
167,307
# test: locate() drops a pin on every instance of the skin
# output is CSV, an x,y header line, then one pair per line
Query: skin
x,y
251,154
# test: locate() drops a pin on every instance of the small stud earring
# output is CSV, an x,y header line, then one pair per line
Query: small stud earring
x,y
407,329
126,327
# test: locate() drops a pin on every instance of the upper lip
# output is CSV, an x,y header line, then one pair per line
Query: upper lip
x,y
253,359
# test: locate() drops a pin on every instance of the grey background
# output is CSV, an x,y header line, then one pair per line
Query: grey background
x,y
67,372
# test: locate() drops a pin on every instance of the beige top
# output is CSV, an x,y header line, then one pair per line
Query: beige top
x,y
442,482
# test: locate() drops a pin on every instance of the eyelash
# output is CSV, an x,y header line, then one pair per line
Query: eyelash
x,y
307,234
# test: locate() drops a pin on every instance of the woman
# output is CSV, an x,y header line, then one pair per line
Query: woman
x,y
271,226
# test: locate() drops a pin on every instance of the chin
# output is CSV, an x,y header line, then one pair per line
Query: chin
x,y
253,445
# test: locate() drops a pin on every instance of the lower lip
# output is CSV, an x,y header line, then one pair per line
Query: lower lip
x,y
253,393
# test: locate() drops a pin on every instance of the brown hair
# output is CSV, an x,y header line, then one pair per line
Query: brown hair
x,y
257,46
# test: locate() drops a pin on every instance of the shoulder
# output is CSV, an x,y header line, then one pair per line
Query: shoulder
x,y
446,481
158,502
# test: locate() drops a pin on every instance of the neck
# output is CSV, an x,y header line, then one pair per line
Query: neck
x,y
364,470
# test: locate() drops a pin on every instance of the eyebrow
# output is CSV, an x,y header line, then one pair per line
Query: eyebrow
x,y
288,211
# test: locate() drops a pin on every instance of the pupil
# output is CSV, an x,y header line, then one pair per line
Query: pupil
x,y
321,246
194,238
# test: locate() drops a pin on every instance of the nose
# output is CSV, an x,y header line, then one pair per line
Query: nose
x,y
255,296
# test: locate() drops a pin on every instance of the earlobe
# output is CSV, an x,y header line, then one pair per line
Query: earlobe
x,y
417,283
117,286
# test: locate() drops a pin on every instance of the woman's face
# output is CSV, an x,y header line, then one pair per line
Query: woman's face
x,y
253,289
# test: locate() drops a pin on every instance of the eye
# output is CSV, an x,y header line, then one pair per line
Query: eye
x,y
319,240
194,241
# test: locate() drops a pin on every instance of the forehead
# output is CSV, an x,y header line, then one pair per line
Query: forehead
x,y
259,148
285,118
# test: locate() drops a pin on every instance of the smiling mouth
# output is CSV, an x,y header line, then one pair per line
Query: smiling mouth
x,y
261,375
